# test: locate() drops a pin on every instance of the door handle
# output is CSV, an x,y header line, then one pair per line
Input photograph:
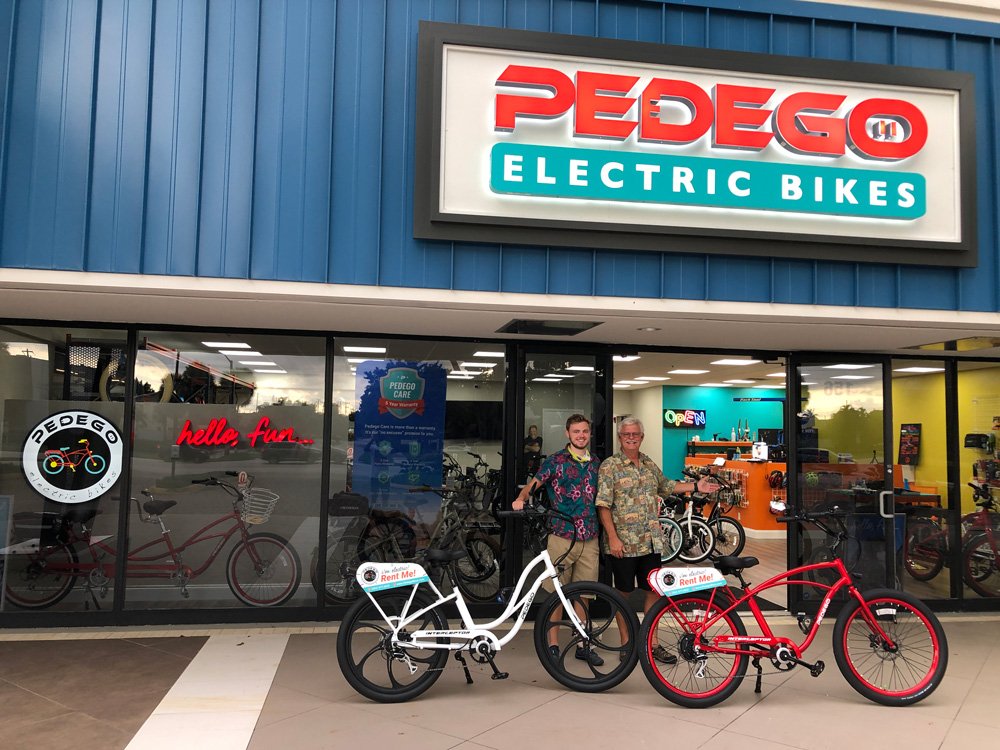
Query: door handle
x,y
881,503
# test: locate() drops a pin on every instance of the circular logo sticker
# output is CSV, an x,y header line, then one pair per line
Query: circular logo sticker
x,y
369,574
72,456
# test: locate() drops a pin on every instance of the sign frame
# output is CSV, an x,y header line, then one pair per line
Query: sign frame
x,y
430,223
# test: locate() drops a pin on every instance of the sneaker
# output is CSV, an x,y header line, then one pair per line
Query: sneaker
x,y
589,656
554,650
663,656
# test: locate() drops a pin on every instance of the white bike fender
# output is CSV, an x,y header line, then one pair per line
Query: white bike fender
x,y
674,581
379,576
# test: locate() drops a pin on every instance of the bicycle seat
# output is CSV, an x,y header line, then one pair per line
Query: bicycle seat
x,y
445,555
728,564
156,507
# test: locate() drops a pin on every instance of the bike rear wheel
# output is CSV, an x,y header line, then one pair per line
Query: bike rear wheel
x,y
477,575
730,537
377,666
700,677
40,579
263,571
904,673
699,540
607,656
343,558
923,555
673,539
979,566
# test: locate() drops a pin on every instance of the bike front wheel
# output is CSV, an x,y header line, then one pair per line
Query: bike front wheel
x,y
897,674
922,551
477,575
699,540
979,566
374,662
673,539
698,676
263,571
608,653
730,537
40,579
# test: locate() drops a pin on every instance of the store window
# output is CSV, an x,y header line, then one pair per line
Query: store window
x,y
63,451
416,460
979,464
228,443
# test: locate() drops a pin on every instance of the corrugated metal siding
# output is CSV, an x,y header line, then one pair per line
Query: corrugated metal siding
x,y
273,139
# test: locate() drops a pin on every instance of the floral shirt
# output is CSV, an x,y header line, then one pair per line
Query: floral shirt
x,y
631,493
571,486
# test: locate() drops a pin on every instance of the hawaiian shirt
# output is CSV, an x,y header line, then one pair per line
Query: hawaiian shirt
x,y
631,492
571,486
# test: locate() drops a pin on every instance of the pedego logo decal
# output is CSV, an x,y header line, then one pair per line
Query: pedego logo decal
x,y
72,456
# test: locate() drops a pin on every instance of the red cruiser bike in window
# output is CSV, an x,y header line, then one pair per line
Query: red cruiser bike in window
x,y
888,645
54,461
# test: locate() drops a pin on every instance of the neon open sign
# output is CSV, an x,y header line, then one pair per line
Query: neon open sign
x,y
684,417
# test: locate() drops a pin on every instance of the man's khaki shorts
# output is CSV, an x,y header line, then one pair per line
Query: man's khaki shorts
x,y
581,565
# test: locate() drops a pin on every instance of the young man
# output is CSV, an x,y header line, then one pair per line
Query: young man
x,y
570,478
628,489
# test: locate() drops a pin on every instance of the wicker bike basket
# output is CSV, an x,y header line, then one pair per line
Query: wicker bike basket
x,y
258,504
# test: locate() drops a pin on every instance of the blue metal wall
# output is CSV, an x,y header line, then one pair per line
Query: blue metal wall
x,y
273,139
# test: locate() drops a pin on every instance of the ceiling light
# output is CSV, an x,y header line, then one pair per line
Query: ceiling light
x,y
774,386
489,354
629,382
647,329
776,374
651,377
545,380
919,369
688,372
619,387
736,362
581,368
714,385
459,376
487,365
365,349
225,344
852,377
280,372
805,383
741,382
240,353
259,363
464,372
626,357
359,360
561,377
847,367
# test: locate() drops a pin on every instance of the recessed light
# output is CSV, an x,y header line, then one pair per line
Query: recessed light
x,y
489,354
919,369
545,380
626,357
240,353
805,383
741,382
459,376
651,377
487,365
847,367
629,382
259,363
580,368
688,372
225,344
359,360
776,374
715,385
279,372
772,386
736,362
852,377
619,387
648,329
365,349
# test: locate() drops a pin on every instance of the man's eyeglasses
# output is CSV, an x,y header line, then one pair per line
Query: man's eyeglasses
x,y
630,435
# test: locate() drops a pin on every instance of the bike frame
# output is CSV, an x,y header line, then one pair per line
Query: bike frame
x,y
733,644
427,639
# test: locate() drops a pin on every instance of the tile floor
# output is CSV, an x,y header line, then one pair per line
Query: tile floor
x,y
192,689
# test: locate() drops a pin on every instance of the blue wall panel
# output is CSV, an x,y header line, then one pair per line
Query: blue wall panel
x,y
274,139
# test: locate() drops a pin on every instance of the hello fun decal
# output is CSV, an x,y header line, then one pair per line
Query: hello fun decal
x,y
72,456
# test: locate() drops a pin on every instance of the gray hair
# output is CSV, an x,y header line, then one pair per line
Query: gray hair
x,y
629,421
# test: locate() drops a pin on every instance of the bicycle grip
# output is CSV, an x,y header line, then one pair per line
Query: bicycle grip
x,y
232,473
421,488
201,481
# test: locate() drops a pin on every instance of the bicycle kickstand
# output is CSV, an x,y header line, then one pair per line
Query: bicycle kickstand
x,y
468,675
760,672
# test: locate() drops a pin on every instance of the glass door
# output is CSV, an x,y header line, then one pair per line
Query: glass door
x,y
841,461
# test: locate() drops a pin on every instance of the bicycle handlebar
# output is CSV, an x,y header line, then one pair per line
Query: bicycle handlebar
x,y
811,517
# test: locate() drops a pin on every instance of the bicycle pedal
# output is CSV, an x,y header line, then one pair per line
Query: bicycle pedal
x,y
499,676
817,669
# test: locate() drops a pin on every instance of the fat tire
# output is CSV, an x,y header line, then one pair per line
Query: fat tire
x,y
669,680
918,530
290,563
362,615
921,647
978,548
605,637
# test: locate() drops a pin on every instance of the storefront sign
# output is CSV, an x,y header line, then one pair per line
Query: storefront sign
x,y
72,456
549,139
219,433
684,418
